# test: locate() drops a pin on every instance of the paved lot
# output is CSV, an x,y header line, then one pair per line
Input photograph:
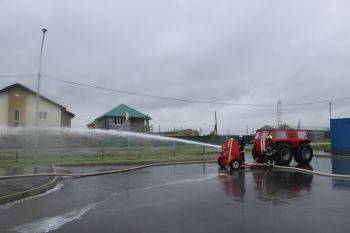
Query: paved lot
x,y
190,198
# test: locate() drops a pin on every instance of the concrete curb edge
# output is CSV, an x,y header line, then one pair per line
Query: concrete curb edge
x,y
31,192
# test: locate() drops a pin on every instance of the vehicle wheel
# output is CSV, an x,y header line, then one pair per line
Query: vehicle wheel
x,y
304,154
235,164
254,153
258,158
283,155
222,162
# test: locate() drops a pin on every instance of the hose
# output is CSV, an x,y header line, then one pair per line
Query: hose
x,y
103,173
78,175
301,170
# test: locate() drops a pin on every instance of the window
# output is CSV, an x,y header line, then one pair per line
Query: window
x,y
42,115
264,134
302,134
16,120
257,135
118,121
281,135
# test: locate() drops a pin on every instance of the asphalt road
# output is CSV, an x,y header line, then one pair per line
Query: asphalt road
x,y
190,198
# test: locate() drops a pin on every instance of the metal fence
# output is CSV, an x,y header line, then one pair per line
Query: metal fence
x,y
25,147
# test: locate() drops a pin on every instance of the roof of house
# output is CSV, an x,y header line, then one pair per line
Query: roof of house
x,y
121,110
18,85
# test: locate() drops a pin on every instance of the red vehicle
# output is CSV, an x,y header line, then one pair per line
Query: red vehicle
x,y
284,145
230,154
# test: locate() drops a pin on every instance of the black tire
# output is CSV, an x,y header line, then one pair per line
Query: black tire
x,y
254,152
258,158
304,154
283,155
221,162
235,164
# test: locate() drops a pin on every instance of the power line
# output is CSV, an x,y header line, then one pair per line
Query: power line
x,y
343,112
319,102
194,101
197,119
178,99
17,76
158,97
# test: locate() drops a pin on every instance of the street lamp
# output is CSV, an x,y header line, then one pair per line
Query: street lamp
x,y
39,77
36,144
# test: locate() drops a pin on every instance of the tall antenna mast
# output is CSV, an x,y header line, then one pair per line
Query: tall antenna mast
x,y
279,112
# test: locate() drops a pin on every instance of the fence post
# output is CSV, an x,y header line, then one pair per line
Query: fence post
x,y
128,145
174,149
60,146
102,149
17,150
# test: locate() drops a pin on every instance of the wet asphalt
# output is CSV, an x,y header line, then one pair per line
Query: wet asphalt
x,y
190,198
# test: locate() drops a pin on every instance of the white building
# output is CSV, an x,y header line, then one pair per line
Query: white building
x,y
18,109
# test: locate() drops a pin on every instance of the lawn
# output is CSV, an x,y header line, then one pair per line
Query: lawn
x,y
103,155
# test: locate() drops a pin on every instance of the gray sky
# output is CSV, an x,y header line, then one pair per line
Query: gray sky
x,y
231,51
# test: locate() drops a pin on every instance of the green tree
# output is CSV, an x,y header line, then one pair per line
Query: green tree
x,y
327,134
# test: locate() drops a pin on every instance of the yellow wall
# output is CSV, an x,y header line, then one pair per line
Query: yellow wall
x,y
25,102
65,119
16,101
3,109
53,112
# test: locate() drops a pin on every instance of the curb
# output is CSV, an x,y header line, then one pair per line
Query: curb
x,y
31,192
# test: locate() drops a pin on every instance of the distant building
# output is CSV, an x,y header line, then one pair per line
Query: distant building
x,y
18,109
122,117
182,132
340,136
91,125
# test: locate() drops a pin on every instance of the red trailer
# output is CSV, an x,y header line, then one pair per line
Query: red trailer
x,y
230,154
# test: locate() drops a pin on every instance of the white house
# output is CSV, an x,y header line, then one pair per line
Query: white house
x,y
18,109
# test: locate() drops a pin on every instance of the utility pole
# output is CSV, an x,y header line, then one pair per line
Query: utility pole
x,y
246,129
279,112
216,126
330,110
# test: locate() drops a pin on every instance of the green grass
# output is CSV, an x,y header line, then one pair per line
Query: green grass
x,y
81,156
102,156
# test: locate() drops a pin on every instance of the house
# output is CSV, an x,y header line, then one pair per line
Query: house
x,y
178,133
122,117
91,125
18,109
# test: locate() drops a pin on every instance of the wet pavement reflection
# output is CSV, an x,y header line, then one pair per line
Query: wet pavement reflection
x,y
190,198
341,166
269,184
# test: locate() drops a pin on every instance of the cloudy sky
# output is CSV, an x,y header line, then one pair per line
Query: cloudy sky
x,y
244,53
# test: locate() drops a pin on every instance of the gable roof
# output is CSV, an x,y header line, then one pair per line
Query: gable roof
x,y
18,85
121,110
